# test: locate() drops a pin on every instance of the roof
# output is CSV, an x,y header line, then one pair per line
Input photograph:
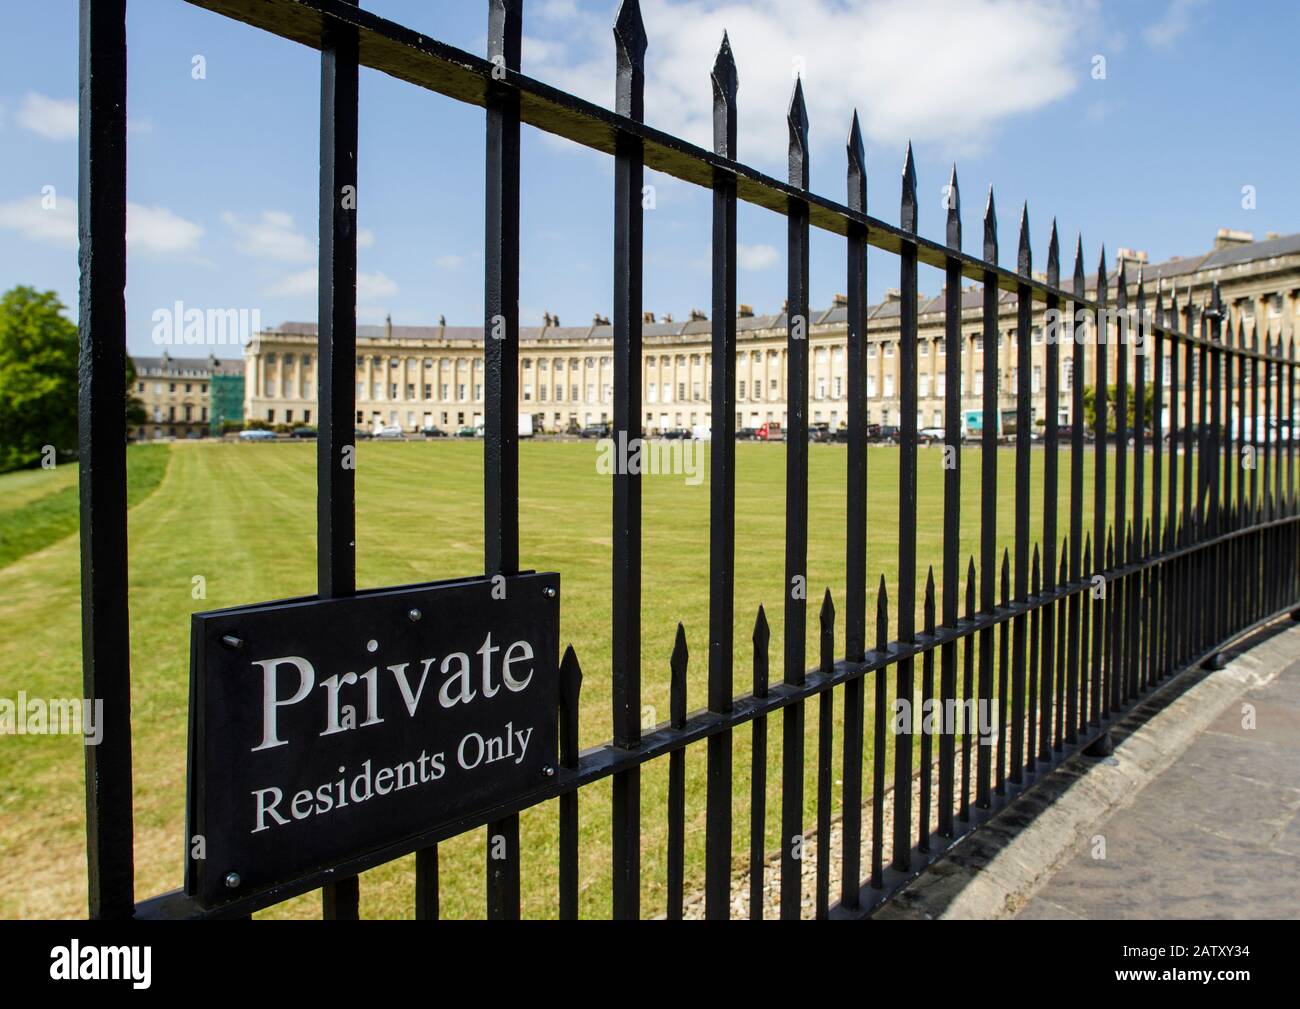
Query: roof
x,y
187,367
972,298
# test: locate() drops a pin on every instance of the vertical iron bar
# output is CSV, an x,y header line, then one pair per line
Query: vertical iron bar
x,y
1078,334
676,883
968,689
101,442
1099,706
796,508
991,426
629,178
570,692
1139,335
722,492
879,740
337,351
825,714
758,772
927,699
855,565
1051,477
907,352
501,387
1157,480
1119,631
1024,418
953,346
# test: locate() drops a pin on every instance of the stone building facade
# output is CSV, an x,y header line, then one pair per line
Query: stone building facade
x,y
417,376
177,393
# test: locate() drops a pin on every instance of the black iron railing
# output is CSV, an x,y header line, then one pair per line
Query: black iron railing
x,y
1062,641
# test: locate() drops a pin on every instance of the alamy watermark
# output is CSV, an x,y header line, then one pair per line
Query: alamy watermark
x,y
52,716
652,457
181,326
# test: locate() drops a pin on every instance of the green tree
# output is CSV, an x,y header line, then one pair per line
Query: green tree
x,y
1090,407
38,377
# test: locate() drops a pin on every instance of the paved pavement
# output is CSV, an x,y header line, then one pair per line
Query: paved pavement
x,y
1215,835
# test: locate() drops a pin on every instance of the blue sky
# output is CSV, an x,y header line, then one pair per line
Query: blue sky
x,y
1196,102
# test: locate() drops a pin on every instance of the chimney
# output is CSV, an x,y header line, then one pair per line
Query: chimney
x,y
668,317
698,316
745,311
599,320
1133,256
388,327
1229,237
840,301
1270,236
546,318
892,294
442,321
647,317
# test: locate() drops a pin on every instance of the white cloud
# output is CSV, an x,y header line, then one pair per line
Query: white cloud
x,y
157,229
755,257
34,223
375,286
1174,23
365,239
51,118
449,262
270,235
911,67
294,285
148,229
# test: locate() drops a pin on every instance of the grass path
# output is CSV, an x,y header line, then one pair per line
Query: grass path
x,y
242,517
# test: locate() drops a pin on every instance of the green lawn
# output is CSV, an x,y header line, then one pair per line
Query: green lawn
x,y
243,517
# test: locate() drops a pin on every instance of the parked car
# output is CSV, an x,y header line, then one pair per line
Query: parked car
x,y
771,431
747,434
1065,433
819,431
930,435
257,435
433,431
363,434
600,430
303,432
887,433
467,432
390,431
676,434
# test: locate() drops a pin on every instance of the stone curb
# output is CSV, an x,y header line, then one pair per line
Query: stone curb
x,y
996,870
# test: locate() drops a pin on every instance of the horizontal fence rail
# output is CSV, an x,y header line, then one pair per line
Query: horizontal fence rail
x,y
1038,651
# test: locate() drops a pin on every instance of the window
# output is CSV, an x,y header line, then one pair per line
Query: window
x,y
1036,379
979,381
889,349
871,386
889,386
741,394
923,386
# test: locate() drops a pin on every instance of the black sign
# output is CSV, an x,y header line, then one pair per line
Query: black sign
x,y
321,730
